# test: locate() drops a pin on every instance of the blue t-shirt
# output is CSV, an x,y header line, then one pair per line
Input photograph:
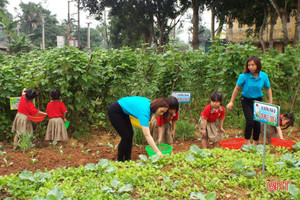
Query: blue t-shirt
x,y
252,87
139,107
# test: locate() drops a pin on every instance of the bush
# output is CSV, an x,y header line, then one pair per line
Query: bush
x,y
138,137
185,130
25,141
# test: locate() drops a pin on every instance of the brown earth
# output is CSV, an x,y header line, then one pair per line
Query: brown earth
x,y
80,152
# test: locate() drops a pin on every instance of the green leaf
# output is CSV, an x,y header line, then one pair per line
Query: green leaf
x,y
125,188
55,194
26,175
293,190
190,157
90,166
195,149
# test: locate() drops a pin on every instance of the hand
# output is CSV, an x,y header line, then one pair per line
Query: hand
x,y
229,106
222,130
65,120
203,131
159,141
160,154
173,135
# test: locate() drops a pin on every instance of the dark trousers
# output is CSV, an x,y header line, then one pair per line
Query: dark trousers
x,y
247,105
122,124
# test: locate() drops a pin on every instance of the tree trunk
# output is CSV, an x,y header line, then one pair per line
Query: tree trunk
x,y
281,12
220,27
295,97
261,31
297,28
152,34
274,17
212,23
195,40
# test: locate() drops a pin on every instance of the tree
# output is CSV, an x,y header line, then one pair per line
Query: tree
x,y
31,23
15,43
134,21
284,8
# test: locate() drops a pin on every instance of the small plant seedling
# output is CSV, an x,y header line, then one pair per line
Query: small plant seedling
x,y
82,146
69,157
6,162
32,153
86,151
73,144
33,161
2,153
54,143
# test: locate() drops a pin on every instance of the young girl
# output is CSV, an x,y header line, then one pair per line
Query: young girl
x,y
141,108
252,81
211,121
276,132
21,123
56,110
163,127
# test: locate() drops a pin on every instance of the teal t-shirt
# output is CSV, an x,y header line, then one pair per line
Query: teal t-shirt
x,y
252,87
136,106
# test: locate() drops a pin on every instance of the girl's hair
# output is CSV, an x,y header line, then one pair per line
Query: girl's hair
x,y
291,117
30,94
159,102
216,96
54,94
257,62
173,105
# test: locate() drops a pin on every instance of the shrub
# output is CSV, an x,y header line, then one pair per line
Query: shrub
x,y
138,137
185,130
25,141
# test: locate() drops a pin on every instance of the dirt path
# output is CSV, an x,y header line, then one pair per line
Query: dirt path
x,y
80,152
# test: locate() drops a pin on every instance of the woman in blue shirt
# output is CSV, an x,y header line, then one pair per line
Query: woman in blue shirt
x,y
141,108
252,81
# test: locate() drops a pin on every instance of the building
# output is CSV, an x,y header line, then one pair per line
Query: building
x,y
237,33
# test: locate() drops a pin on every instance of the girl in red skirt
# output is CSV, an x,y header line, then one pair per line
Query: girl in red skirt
x,y
56,110
21,123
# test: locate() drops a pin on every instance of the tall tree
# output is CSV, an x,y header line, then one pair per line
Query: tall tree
x,y
31,23
297,28
284,8
133,21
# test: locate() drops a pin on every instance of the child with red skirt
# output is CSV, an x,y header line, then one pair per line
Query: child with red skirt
x,y
56,110
212,120
21,123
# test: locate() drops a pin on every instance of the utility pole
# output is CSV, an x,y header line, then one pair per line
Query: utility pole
x,y
78,7
43,31
88,38
68,26
18,29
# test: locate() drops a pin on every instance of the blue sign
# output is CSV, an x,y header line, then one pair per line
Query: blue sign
x,y
183,97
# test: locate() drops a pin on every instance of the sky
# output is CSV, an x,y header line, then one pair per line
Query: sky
x,y
60,8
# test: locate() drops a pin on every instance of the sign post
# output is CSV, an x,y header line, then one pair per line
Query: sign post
x,y
269,115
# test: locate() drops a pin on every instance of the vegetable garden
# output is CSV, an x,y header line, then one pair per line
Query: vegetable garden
x,y
90,82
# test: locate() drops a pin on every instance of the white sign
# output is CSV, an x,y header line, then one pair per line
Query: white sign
x,y
183,97
266,113
60,41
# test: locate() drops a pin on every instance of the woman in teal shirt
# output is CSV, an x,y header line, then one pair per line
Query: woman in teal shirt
x,y
252,81
141,108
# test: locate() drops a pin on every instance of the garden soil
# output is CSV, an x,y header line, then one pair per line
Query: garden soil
x,y
101,145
